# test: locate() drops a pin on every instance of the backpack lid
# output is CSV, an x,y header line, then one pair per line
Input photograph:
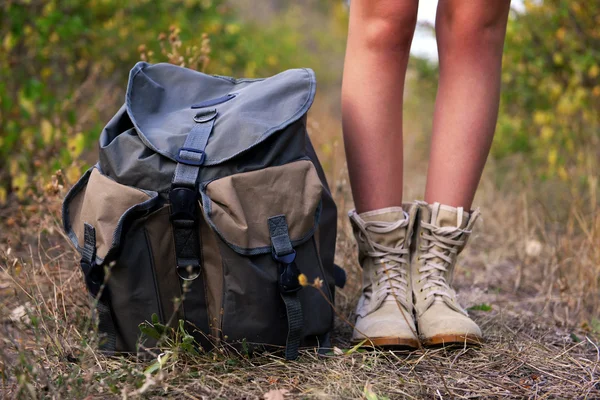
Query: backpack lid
x,y
163,99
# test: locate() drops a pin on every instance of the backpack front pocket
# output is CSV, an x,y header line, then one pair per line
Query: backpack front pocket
x,y
239,209
106,221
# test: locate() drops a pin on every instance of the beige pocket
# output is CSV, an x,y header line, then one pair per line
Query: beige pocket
x,y
239,206
107,206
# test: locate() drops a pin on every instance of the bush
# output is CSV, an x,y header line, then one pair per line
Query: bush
x,y
551,88
66,62
550,98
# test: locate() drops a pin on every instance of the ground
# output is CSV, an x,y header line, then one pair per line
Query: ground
x,y
511,277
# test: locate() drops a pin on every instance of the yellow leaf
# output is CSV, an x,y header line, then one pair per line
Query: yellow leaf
x,y
19,184
546,133
594,71
3,195
76,144
552,157
560,33
272,60
73,173
46,130
232,29
558,59
46,72
539,117
8,42
562,173
13,168
26,104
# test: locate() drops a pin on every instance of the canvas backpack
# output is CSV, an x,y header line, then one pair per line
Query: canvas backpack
x,y
206,204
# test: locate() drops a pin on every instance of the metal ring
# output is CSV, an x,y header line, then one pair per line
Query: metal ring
x,y
192,272
205,115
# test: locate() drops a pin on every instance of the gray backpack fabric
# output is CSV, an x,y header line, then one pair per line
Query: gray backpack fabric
x,y
206,204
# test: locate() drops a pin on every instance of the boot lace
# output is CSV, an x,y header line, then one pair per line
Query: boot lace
x,y
443,243
392,275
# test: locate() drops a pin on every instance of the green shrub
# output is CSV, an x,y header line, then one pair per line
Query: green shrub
x,y
551,88
64,66
550,101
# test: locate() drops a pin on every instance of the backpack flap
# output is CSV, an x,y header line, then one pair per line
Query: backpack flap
x,y
162,101
239,206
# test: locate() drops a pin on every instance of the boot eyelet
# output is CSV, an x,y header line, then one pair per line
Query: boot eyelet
x,y
421,234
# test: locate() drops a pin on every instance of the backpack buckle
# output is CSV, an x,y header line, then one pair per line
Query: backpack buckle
x,y
288,279
183,206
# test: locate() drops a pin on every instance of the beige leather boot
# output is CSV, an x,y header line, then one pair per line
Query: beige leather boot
x,y
442,233
385,309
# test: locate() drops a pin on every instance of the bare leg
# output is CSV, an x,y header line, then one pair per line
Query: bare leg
x,y
470,37
379,39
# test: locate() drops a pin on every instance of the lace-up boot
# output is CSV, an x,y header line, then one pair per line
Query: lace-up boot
x,y
385,309
442,233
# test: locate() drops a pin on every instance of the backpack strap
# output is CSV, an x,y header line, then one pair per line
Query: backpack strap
x,y
94,278
183,196
285,255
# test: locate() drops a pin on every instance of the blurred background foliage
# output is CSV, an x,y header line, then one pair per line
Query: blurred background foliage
x,y
549,122
64,66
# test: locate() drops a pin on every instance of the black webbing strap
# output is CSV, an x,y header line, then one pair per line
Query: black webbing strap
x,y
94,278
185,221
106,326
183,196
285,255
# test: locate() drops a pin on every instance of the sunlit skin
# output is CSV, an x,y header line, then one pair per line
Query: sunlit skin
x,y
470,36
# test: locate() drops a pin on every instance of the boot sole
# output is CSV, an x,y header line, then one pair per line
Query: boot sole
x,y
389,342
453,340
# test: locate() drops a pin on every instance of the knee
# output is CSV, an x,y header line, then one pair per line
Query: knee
x,y
475,26
389,25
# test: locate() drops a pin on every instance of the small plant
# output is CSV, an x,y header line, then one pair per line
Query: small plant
x,y
177,340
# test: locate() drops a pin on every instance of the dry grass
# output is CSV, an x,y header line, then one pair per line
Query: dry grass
x,y
531,272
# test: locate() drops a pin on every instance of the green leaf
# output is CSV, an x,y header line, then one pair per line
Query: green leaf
x,y
152,368
149,330
481,307
356,348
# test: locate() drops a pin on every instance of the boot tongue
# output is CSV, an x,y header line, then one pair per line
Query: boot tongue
x,y
390,216
446,216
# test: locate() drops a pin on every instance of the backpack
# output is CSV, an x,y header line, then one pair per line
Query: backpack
x,y
207,203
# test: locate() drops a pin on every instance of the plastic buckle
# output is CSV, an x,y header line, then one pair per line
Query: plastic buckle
x,y
288,280
285,259
187,161
183,206
94,276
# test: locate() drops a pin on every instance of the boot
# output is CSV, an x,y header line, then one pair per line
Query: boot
x,y
385,309
442,233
